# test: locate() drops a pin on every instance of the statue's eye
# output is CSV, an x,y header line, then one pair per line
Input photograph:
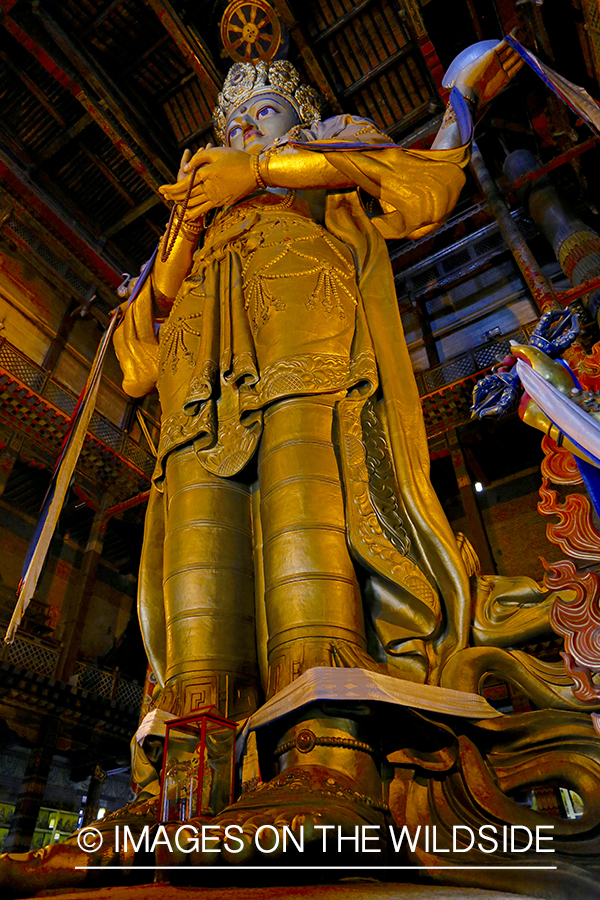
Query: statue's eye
x,y
237,129
266,111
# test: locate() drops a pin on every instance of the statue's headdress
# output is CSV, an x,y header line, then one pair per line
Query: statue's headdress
x,y
245,80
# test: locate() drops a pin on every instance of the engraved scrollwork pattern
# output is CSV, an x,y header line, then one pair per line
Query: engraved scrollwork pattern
x,y
381,488
309,373
364,525
173,346
179,428
333,276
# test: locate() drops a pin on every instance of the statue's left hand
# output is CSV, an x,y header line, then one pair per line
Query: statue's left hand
x,y
223,177
487,76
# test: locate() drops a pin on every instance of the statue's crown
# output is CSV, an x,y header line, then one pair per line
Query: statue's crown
x,y
244,80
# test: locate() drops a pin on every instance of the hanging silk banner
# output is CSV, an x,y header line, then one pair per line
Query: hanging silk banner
x,y
63,471
575,97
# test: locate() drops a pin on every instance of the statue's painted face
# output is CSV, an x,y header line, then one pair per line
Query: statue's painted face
x,y
257,121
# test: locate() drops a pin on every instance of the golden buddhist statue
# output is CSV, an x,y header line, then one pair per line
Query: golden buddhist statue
x,y
293,462
292,524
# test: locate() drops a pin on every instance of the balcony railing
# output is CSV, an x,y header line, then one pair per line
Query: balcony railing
x,y
480,358
41,658
37,379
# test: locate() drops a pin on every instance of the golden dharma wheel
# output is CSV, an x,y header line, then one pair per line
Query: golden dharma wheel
x,y
250,31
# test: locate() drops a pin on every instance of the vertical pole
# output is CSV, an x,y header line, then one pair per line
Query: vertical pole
x,y
80,602
8,458
433,357
542,291
92,803
33,787
62,336
475,528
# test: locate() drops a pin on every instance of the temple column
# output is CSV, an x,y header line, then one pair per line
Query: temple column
x,y
542,293
575,244
77,608
33,788
92,803
62,336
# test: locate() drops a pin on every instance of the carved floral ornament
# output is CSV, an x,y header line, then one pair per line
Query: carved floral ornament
x,y
245,80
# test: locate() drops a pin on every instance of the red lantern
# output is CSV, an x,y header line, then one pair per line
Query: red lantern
x,y
198,766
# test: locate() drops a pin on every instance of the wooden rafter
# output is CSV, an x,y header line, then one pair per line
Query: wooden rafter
x,y
46,153
131,216
123,111
34,89
57,220
313,67
190,45
92,107
110,176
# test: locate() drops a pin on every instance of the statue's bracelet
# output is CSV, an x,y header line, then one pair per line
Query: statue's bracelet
x,y
263,168
191,230
260,181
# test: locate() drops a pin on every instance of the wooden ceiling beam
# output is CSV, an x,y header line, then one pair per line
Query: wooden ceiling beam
x,y
101,17
120,107
34,89
317,74
92,106
65,138
66,220
190,45
154,228
343,20
131,216
110,176
147,53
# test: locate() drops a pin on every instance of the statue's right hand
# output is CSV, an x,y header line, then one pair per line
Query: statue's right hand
x,y
190,161
221,176
187,155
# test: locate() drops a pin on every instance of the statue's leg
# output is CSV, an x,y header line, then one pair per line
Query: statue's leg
x,y
311,593
208,586
208,591
324,758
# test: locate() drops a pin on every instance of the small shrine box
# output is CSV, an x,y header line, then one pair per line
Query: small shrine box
x,y
198,766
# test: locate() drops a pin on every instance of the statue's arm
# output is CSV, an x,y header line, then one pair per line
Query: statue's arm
x,y
168,276
479,83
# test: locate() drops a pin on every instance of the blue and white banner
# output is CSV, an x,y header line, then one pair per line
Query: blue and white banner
x,y
575,97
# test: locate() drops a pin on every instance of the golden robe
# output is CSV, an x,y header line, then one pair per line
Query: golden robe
x,y
277,305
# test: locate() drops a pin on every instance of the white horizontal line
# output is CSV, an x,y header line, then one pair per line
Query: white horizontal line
x,y
234,868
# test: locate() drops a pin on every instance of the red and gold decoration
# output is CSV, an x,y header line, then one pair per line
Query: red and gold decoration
x,y
198,766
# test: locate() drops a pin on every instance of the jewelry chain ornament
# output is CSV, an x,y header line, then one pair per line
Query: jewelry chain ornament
x,y
305,741
174,227
260,182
